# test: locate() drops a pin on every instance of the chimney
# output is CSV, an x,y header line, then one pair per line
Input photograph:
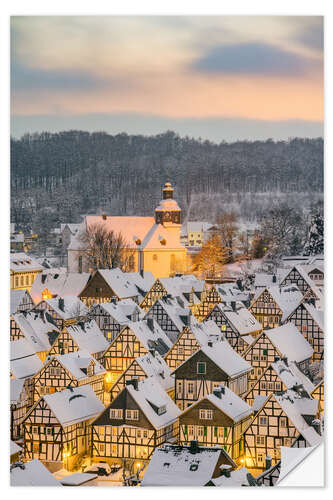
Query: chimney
x,y
104,216
43,278
268,462
222,389
141,273
150,324
274,278
61,304
194,447
113,300
134,382
225,470
233,305
210,343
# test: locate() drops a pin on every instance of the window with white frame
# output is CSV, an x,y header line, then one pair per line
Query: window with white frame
x,y
132,414
116,413
205,414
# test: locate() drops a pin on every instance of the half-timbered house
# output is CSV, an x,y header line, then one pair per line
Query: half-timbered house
x,y
187,287
36,329
56,428
112,316
63,310
237,324
171,314
73,369
278,376
318,393
19,404
150,365
283,417
298,275
20,300
273,305
135,339
227,293
141,418
215,363
316,273
191,339
282,342
310,322
84,335
194,465
107,284
217,419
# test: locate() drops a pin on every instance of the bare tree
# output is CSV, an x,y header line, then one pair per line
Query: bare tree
x,y
106,249
228,226
209,262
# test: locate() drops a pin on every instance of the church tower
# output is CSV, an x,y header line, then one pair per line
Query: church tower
x,y
168,211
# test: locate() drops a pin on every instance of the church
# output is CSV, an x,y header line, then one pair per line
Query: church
x,y
154,241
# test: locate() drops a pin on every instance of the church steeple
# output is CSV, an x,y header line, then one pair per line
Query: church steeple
x,y
168,211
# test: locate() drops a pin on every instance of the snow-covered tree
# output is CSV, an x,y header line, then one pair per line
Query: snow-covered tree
x,y
314,243
212,257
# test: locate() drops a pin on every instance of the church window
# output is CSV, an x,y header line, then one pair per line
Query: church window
x,y
172,262
131,262
155,257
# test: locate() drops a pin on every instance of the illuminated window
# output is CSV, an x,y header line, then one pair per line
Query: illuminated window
x,y
132,414
116,414
206,414
260,440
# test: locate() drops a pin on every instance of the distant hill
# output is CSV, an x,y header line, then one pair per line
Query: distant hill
x,y
75,172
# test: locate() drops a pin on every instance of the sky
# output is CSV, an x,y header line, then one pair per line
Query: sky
x,y
214,77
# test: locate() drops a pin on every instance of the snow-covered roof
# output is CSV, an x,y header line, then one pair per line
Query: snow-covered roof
x,y
88,336
72,307
16,387
154,365
239,477
77,361
291,375
121,311
74,405
287,297
16,297
240,318
197,226
62,284
37,330
259,401
290,342
14,448
174,465
295,406
229,292
317,315
151,339
32,473
144,282
77,479
224,356
73,227
228,402
23,360
151,397
23,262
122,284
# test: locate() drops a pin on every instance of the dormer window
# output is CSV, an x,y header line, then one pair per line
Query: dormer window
x,y
201,368
161,410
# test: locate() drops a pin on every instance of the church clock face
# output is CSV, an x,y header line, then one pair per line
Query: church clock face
x,y
167,216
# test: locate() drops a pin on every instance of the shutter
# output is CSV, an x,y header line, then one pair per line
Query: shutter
x,y
205,431
225,432
215,431
185,429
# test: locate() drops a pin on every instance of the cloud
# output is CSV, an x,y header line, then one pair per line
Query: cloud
x,y
254,59
27,78
312,37
215,129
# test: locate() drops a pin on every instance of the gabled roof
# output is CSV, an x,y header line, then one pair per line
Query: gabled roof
x,y
224,356
16,388
229,292
74,405
175,309
23,360
154,366
32,473
174,465
122,285
151,339
317,315
88,336
150,396
121,310
23,262
225,400
72,307
239,477
61,284
239,318
14,448
290,342
16,297
36,329
75,361
291,376
295,406
287,297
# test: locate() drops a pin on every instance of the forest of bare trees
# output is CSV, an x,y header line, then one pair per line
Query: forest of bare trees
x,y
58,177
